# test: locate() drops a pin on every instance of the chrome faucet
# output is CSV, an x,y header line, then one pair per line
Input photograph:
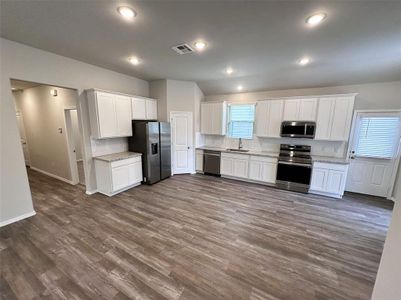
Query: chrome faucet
x,y
240,144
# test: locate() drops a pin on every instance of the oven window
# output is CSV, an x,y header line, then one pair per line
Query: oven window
x,y
296,129
293,173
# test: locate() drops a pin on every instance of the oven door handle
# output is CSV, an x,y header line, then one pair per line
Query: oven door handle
x,y
295,164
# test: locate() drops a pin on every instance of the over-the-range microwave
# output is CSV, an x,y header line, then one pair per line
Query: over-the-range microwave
x,y
298,129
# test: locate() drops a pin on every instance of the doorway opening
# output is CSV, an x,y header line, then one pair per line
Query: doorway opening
x,y
50,131
374,152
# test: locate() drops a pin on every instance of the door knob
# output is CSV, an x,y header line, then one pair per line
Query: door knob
x,y
189,147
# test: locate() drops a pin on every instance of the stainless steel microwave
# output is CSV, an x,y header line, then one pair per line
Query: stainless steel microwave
x,y
298,129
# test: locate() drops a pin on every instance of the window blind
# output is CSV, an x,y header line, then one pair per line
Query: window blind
x,y
378,137
241,119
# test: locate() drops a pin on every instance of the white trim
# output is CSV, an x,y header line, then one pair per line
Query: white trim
x,y
16,219
52,175
91,192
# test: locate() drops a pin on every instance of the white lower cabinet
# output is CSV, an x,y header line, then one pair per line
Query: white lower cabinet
x,y
117,176
199,160
328,179
243,166
263,169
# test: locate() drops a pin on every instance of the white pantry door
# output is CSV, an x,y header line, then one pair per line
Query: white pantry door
x,y
374,153
182,142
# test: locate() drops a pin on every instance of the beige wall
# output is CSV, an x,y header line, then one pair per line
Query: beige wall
x,y
385,95
158,90
43,115
22,62
388,280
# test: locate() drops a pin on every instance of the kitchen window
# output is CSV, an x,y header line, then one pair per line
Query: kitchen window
x,y
240,120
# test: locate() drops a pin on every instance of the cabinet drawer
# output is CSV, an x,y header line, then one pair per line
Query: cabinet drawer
x,y
127,161
263,159
235,155
330,166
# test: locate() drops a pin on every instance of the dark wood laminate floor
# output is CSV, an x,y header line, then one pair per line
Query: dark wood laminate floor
x,y
192,237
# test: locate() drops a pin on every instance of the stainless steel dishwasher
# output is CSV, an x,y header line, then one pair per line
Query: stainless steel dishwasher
x,y
211,162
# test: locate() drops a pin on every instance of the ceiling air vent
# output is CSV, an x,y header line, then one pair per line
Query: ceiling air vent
x,y
183,49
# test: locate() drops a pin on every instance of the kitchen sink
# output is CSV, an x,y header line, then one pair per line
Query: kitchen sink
x,y
237,150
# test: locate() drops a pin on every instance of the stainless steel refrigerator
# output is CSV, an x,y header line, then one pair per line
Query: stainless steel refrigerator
x,y
152,139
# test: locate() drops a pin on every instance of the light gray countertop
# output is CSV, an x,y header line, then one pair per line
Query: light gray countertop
x,y
315,158
250,152
117,156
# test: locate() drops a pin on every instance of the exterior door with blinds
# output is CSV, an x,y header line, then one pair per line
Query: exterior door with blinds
x,y
374,153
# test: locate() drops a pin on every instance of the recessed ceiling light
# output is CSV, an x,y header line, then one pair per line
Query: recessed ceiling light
x,y
304,61
315,19
134,60
200,45
229,71
13,88
239,88
127,12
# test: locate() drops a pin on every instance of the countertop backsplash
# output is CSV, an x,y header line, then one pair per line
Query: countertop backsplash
x,y
108,146
323,148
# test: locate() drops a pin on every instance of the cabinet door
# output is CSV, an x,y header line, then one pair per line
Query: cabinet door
x,y
199,161
291,110
227,166
138,108
106,115
324,118
255,170
269,172
120,177
275,118
123,115
135,172
241,168
319,179
151,109
342,116
335,182
307,109
261,118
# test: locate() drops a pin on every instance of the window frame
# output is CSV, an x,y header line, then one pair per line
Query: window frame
x,y
229,119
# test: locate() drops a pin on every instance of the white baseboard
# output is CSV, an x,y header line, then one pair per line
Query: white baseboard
x,y
16,219
90,192
52,175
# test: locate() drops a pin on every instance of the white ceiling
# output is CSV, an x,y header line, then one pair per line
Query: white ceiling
x,y
360,41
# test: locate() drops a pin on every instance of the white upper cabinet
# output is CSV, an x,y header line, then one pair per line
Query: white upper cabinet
x,y
291,110
144,108
110,114
300,109
334,118
307,109
213,118
151,109
269,116
123,112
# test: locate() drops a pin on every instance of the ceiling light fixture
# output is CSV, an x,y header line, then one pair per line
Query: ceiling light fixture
x,y
53,92
126,12
229,71
304,61
134,60
200,45
239,88
13,88
315,19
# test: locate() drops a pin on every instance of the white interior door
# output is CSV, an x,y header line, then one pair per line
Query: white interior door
x,y
22,135
182,142
374,153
